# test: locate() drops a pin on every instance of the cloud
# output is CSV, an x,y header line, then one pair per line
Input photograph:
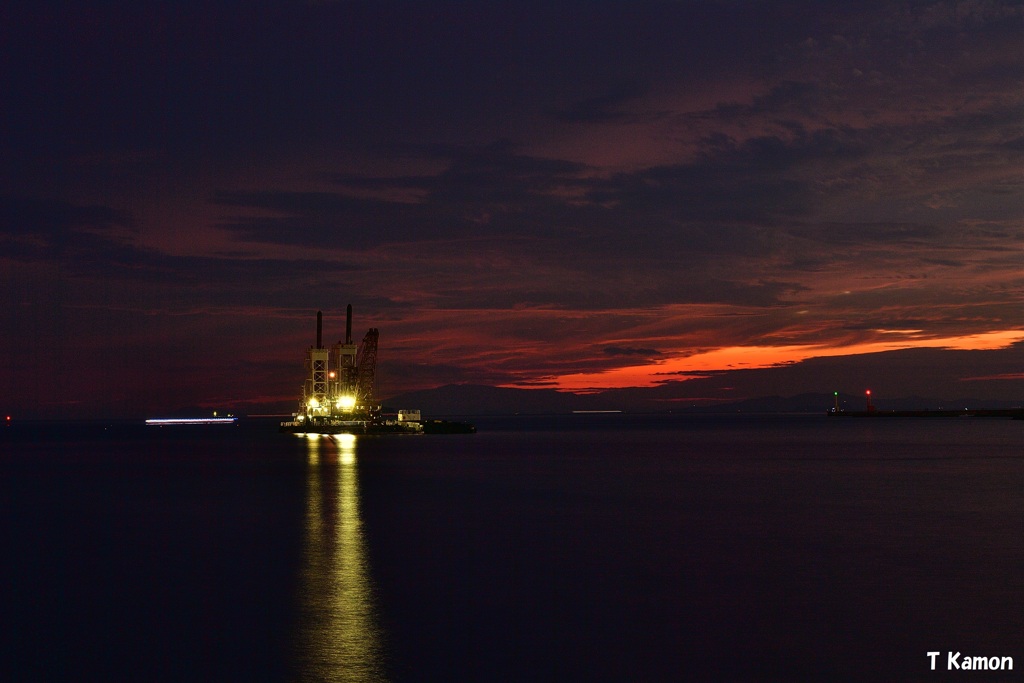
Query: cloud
x,y
33,228
604,107
92,253
519,192
630,351
929,372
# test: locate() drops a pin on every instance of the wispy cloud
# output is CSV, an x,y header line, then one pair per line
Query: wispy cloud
x,y
757,357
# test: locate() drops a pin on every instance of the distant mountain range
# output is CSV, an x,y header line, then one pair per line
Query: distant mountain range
x,y
473,399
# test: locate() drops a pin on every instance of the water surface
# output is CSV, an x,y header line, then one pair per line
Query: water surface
x,y
586,547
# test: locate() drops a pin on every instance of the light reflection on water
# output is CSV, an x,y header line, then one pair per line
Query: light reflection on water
x,y
339,639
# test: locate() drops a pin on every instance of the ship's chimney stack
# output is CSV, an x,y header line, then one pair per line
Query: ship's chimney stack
x,y
319,329
348,324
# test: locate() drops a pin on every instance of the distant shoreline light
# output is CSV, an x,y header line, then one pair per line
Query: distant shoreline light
x,y
190,420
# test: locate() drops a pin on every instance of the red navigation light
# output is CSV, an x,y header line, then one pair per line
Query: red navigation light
x,y
869,392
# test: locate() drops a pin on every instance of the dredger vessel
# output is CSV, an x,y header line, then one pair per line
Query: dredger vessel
x,y
337,395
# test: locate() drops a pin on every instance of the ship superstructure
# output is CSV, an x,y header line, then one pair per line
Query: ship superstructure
x,y
337,395
339,380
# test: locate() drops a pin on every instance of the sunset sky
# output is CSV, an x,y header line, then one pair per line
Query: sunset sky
x,y
736,197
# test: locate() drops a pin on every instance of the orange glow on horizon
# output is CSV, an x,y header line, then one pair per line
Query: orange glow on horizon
x,y
757,357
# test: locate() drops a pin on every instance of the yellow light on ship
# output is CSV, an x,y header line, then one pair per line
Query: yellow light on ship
x,y
346,402
313,403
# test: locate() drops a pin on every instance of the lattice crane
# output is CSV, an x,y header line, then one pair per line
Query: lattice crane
x,y
366,367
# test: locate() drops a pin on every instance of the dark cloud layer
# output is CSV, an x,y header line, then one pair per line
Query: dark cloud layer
x,y
513,193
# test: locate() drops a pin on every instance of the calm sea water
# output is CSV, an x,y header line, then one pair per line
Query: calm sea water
x,y
588,547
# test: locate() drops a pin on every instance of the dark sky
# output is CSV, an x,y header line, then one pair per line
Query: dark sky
x,y
559,194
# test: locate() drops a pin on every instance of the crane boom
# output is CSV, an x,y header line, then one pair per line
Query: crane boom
x,y
366,366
